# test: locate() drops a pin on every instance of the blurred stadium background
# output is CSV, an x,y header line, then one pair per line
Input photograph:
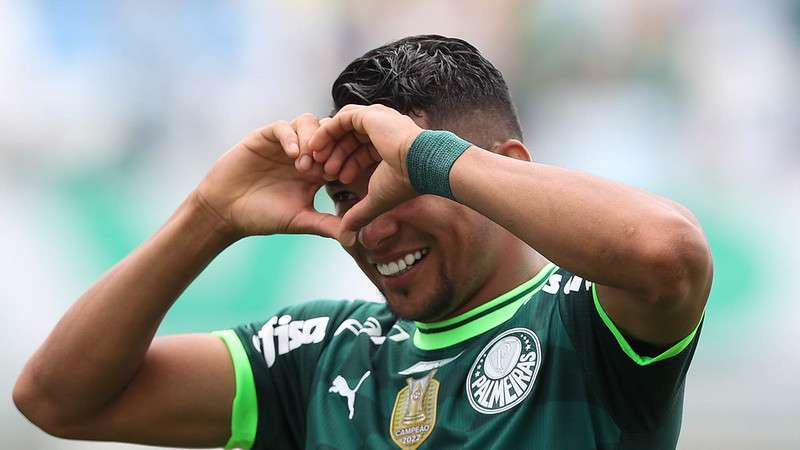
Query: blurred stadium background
x,y
110,112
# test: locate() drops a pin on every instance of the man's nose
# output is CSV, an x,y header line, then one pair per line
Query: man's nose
x,y
377,232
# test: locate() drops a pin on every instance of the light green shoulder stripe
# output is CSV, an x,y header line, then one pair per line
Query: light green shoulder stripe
x,y
626,347
244,416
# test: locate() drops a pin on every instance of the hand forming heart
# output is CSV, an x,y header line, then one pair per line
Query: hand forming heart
x,y
353,140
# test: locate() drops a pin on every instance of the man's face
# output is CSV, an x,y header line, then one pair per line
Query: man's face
x,y
448,251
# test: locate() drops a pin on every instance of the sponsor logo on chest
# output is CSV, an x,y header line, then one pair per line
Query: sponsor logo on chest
x,y
291,334
504,372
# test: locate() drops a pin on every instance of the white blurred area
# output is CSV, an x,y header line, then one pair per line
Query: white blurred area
x,y
110,113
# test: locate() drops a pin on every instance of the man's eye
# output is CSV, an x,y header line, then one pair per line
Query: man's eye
x,y
343,196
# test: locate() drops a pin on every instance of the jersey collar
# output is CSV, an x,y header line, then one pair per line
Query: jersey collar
x,y
437,335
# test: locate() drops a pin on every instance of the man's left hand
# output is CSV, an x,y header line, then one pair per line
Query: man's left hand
x,y
356,138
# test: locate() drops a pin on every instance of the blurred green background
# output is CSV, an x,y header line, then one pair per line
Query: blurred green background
x,y
111,112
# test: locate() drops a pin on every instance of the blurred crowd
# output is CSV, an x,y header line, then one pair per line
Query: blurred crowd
x,y
110,112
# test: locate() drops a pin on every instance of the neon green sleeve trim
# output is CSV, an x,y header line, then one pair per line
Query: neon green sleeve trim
x,y
626,347
244,415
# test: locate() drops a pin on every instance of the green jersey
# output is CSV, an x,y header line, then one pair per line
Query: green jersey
x,y
540,367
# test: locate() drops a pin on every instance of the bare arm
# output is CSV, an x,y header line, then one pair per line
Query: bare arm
x,y
647,254
100,375
87,366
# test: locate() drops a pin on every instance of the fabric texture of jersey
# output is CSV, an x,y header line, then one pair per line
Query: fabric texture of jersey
x,y
540,367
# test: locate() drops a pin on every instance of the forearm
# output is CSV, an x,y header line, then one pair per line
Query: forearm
x,y
96,348
610,233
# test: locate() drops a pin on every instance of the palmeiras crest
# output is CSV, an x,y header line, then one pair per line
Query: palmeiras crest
x,y
504,372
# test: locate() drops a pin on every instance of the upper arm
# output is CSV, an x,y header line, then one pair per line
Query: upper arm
x,y
672,289
180,396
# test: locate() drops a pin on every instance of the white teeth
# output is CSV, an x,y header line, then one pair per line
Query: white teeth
x,y
394,267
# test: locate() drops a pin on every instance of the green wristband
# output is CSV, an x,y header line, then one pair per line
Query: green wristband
x,y
429,160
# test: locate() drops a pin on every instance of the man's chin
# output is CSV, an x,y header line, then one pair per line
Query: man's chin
x,y
406,313
423,302
419,309
402,306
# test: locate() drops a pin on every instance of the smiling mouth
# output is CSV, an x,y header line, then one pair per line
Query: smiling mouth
x,y
403,264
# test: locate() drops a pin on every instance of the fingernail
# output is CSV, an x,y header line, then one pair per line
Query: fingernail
x,y
294,149
305,162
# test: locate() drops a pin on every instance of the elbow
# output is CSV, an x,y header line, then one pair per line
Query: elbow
x,y
23,397
29,402
34,404
680,265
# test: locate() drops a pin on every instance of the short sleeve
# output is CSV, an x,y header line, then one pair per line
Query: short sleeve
x,y
275,362
642,386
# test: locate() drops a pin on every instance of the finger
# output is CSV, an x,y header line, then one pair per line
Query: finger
x,y
360,160
363,138
345,121
348,107
304,163
312,171
316,172
284,133
367,143
349,171
359,216
340,154
322,155
367,155
325,153
348,142
263,140
305,125
314,222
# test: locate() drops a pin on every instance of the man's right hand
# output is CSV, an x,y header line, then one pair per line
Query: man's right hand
x,y
256,189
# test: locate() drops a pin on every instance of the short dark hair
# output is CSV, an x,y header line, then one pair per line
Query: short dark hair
x,y
446,78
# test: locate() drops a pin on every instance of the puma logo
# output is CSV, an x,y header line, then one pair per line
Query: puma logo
x,y
341,387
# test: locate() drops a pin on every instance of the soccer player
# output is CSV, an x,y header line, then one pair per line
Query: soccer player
x,y
527,306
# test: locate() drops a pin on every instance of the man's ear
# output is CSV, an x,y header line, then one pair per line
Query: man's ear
x,y
513,148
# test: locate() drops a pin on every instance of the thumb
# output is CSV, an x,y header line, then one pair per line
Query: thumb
x,y
314,222
359,216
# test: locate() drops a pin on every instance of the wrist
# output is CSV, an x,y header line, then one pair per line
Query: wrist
x,y
406,149
430,158
200,216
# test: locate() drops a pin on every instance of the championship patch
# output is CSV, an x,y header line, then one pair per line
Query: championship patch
x,y
414,412
504,372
